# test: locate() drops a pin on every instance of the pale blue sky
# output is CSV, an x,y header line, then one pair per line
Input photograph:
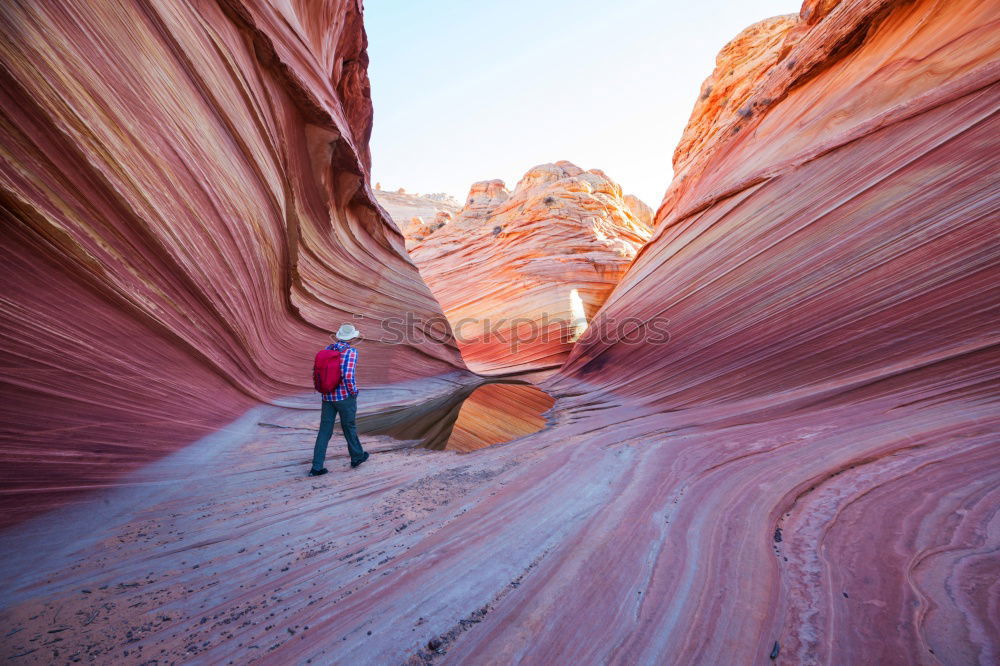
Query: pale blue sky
x,y
468,90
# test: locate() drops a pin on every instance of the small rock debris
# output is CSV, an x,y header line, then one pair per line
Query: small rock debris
x,y
774,650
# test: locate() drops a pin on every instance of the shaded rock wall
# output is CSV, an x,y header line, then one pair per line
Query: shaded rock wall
x,y
497,413
185,214
520,273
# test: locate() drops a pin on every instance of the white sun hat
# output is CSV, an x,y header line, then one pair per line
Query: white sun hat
x,y
347,332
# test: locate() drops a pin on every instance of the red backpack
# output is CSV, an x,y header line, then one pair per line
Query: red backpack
x,y
326,370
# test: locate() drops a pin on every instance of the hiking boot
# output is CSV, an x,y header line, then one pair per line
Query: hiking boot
x,y
363,458
318,472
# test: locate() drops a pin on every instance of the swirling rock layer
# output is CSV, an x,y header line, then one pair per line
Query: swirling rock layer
x,y
185,215
826,265
519,274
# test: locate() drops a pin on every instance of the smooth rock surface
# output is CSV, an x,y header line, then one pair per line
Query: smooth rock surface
x,y
186,215
519,274
827,266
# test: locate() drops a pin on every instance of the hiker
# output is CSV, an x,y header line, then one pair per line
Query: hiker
x,y
333,377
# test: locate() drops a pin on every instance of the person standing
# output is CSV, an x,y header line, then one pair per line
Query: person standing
x,y
343,401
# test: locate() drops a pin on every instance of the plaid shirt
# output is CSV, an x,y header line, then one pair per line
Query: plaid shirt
x,y
348,362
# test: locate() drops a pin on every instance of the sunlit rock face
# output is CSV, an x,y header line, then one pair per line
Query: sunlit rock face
x,y
484,198
520,273
740,66
186,215
639,209
824,416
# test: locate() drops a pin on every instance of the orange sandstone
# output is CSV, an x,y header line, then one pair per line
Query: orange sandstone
x,y
519,274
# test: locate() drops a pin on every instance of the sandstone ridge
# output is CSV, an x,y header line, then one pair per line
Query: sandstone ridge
x,y
520,273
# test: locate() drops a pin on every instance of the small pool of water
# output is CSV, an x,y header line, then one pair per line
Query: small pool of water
x,y
486,415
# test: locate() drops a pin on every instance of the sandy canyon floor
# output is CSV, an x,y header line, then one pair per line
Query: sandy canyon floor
x,y
582,542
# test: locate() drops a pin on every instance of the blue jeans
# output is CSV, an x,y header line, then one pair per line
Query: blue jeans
x,y
347,408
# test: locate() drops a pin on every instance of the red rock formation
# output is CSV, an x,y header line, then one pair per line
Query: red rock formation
x,y
826,263
520,273
484,198
808,467
639,209
185,215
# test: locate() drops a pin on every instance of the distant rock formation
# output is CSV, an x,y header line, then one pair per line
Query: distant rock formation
x,y
415,214
484,198
416,230
520,273
639,208
441,196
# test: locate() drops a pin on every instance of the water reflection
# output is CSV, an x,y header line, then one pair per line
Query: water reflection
x,y
474,418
